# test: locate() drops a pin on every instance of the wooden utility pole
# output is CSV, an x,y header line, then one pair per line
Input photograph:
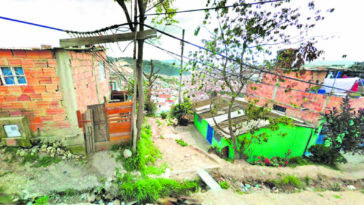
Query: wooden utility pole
x,y
181,70
135,73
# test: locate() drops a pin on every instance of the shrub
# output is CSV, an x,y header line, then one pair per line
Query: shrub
x,y
42,200
151,108
181,142
288,181
29,158
46,161
325,155
163,115
180,111
224,185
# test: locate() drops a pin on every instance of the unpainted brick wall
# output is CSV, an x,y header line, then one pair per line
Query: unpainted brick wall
x,y
40,100
314,104
90,90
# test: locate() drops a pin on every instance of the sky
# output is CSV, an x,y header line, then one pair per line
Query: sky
x,y
344,26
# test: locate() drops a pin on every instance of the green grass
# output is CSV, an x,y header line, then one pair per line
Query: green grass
x,y
181,142
159,123
28,158
319,194
224,185
362,191
337,196
149,190
46,161
42,200
307,180
288,180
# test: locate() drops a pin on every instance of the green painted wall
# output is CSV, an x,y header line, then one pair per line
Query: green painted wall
x,y
277,146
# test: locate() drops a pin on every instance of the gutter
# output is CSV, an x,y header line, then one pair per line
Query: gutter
x,y
308,142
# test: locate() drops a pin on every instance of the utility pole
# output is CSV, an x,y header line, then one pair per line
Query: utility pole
x,y
181,70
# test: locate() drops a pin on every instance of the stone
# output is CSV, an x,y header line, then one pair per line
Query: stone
x,y
127,153
117,202
91,198
351,187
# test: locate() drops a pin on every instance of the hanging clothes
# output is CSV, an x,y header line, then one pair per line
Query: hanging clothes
x,y
355,86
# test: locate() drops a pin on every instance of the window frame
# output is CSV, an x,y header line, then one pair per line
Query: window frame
x,y
103,69
12,69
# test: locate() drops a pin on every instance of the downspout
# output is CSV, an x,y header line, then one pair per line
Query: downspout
x,y
308,142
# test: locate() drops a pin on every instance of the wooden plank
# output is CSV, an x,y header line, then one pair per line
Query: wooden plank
x,y
119,129
129,103
71,42
209,181
90,132
100,123
118,111
127,137
119,134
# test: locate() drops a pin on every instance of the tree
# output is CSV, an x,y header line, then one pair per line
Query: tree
x,y
138,23
245,34
345,128
151,77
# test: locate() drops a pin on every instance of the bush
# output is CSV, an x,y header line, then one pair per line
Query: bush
x,y
180,111
181,142
325,155
151,108
224,185
163,115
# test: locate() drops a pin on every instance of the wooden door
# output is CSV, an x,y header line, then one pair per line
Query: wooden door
x,y
100,122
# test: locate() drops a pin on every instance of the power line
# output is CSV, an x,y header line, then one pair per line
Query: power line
x,y
210,8
32,24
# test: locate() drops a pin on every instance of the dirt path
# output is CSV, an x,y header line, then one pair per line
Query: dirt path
x,y
227,197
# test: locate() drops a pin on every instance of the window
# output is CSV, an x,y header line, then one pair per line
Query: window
x,y
12,76
199,119
217,136
12,131
102,74
279,108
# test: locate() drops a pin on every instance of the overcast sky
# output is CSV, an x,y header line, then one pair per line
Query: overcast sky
x,y
84,15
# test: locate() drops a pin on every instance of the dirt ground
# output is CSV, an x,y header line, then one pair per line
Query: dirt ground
x,y
302,198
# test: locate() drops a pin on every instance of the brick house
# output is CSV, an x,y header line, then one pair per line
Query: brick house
x,y
42,90
294,98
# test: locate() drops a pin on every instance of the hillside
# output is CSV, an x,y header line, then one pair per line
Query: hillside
x,y
164,67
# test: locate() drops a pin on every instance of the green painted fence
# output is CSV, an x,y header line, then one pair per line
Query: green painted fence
x,y
295,138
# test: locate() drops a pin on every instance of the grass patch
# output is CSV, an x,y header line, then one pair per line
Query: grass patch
x,y
307,180
145,157
288,180
224,185
29,158
337,196
181,142
46,161
149,190
334,187
362,191
319,194
159,123
42,200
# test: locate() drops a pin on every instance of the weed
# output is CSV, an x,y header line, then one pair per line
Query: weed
x,y
181,142
362,191
335,187
224,185
337,196
161,137
288,181
159,123
46,161
11,150
148,190
42,200
319,194
29,158
307,180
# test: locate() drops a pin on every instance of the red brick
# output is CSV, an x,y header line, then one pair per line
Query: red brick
x,y
4,90
15,113
52,63
45,80
17,105
2,99
35,97
14,62
45,54
54,104
32,54
6,54
3,62
51,88
36,120
28,89
54,111
28,63
62,124
24,97
40,63
39,89
10,98
49,72
45,118
19,54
